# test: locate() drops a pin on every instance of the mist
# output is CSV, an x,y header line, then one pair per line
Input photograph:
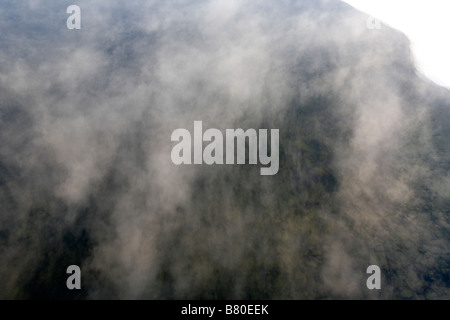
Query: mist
x,y
86,176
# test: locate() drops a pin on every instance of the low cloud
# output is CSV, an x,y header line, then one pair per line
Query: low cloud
x,y
86,176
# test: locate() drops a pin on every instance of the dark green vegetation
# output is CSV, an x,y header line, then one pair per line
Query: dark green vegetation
x,y
86,176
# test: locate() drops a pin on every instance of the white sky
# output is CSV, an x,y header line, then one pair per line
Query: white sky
x,y
427,25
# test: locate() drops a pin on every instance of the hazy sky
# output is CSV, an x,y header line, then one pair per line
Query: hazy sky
x,y
426,23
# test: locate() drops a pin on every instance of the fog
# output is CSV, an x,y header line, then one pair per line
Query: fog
x,y
86,176
425,24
